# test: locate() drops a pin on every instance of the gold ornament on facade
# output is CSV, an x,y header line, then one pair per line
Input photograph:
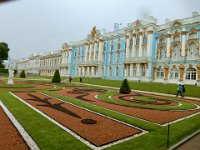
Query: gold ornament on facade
x,y
140,33
150,32
183,32
190,66
166,67
177,24
193,30
181,68
174,66
134,34
94,32
168,35
189,43
176,33
198,72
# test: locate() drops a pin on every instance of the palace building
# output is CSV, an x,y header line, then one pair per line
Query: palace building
x,y
141,51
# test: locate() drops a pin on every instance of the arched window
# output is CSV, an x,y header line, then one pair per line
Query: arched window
x,y
192,50
191,74
192,36
160,73
174,73
162,53
176,52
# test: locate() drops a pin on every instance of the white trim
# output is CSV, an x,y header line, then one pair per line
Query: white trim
x,y
27,138
76,135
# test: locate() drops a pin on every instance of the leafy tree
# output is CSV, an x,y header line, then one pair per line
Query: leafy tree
x,y
125,88
3,53
56,78
23,75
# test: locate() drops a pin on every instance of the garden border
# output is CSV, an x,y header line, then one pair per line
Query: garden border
x,y
26,137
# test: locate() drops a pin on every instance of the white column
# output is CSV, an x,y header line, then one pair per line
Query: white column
x,y
140,44
100,51
131,70
83,73
127,45
168,44
88,71
133,46
92,71
183,33
95,48
90,52
149,43
86,53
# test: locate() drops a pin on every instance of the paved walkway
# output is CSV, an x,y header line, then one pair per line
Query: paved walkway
x,y
192,144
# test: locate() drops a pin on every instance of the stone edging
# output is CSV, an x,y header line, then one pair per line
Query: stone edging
x,y
184,140
29,141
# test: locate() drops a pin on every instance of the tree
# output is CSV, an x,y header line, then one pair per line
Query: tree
x,y
56,77
23,75
125,88
3,53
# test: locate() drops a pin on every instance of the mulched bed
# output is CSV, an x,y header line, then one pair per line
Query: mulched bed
x,y
9,136
157,116
96,129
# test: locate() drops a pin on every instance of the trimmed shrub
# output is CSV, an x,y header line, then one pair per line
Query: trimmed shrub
x,y
125,88
56,78
23,75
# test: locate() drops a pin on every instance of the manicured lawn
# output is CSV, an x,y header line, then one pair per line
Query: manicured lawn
x,y
49,136
184,105
15,85
191,90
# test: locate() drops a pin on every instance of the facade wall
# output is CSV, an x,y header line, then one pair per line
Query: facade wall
x,y
142,51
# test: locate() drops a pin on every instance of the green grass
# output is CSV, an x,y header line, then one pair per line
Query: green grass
x,y
157,136
105,97
191,90
16,85
46,134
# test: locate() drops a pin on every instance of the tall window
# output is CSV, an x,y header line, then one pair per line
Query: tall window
x,y
110,71
137,41
162,53
117,71
143,71
118,56
176,52
111,57
192,50
131,42
160,73
174,73
191,74
145,40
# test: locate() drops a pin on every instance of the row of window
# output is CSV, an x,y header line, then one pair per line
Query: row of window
x,y
190,74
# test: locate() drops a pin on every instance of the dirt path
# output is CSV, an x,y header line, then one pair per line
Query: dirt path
x,y
10,139
94,128
157,116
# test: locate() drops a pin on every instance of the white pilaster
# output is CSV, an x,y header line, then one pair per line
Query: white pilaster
x,y
183,41
92,71
140,43
138,72
95,49
168,44
149,43
86,53
90,52
100,51
127,45
131,70
133,46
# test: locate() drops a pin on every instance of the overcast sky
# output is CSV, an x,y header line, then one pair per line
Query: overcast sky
x,y
33,26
